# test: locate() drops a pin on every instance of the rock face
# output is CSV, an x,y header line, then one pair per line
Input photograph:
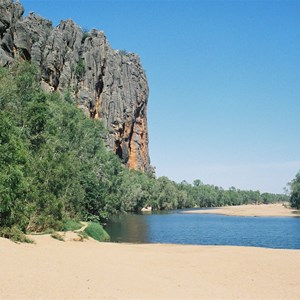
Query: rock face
x,y
108,84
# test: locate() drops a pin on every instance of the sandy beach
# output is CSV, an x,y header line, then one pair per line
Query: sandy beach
x,y
261,210
51,269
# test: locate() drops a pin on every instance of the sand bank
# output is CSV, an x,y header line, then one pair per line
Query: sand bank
x,y
262,210
90,270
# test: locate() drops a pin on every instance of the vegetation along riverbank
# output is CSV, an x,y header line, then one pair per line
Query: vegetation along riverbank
x,y
74,156
55,167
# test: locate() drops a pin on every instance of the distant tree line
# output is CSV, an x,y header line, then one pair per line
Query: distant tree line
x,y
55,167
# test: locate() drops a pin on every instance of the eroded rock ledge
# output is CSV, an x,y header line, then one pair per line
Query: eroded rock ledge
x,y
108,84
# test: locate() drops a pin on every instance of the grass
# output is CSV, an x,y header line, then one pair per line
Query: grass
x,y
71,225
15,234
96,231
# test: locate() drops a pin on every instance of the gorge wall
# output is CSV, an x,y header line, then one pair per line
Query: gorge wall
x,y
107,84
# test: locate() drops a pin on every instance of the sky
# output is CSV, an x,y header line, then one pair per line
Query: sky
x,y
224,80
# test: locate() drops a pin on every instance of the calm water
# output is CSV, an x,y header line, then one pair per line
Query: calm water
x,y
198,229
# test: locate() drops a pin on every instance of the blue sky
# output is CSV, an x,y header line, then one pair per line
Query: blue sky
x,y
224,80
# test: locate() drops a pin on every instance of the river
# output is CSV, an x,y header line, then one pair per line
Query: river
x,y
174,227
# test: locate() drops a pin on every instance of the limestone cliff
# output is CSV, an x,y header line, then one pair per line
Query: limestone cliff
x,y
108,84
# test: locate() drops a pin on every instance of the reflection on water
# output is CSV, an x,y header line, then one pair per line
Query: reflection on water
x,y
132,228
129,228
207,229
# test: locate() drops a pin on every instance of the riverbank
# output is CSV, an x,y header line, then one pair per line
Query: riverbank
x,y
51,269
251,210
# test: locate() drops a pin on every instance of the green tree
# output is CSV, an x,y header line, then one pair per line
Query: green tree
x,y
54,165
13,175
295,191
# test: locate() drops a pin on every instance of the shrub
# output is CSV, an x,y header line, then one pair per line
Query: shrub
x,y
14,234
85,36
80,68
96,231
295,189
44,223
71,225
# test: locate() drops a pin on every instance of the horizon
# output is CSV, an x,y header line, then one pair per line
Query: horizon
x,y
223,80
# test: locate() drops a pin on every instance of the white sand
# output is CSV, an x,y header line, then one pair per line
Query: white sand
x,y
90,270
262,210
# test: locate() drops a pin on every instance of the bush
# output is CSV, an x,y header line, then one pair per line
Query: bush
x,y
85,36
42,223
14,234
71,225
80,68
96,231
295,191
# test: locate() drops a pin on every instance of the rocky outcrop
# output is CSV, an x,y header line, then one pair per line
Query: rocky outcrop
x,y
107,84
